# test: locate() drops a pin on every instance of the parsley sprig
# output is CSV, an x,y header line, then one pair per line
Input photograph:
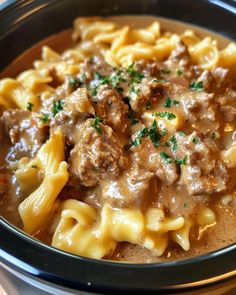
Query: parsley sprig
x,y
96,122
57,106
197,86
167,115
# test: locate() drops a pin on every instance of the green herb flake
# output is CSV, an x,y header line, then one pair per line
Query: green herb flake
x,y
168,115
136,142
179,72
134,89
154,135
181,161
173,142
181,133
166,144
167,102
195,140
34,166
83,78
166,71
57,107
164,132
197,86
185,205
134,120
175,102
73,82
148,105
166,158
44,118
134,74
29,106
213,135
96,122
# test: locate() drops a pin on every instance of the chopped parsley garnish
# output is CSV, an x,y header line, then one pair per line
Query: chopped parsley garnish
x,y
151,132
175,102
166,158
142,132
134,89
34,166
57,107
44,118
185,205
96,122
135,75
195,140
181,133
173,142
166,144
136,142
132,118
83,78
154,135
165,71
168,115
29,106
179,72
181,161
140,135
102,79
148,105
213,135
167,102
197,86
164,132
73,82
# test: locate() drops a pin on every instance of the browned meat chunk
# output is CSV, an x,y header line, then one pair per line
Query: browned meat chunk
x,y
151,68
204,172
25,132
111,108
195,105
228,113
148,157
134,188
97,155
215,80
95,65
149,90
76,109
179,57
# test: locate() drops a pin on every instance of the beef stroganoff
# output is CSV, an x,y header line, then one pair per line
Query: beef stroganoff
x,y
123,146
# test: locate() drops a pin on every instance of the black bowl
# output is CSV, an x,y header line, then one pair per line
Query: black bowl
x,y
24,23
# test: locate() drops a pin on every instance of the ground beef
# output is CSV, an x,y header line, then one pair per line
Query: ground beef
x,y
148,157
76,109
25,132
204,172
179,57
97,155
133,188
111,108
228,113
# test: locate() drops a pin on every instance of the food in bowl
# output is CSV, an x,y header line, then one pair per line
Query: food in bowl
x,y
123,147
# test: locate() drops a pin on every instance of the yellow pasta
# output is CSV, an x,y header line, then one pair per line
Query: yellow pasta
x,y
83,232
14,92
36,81
39,205
205,53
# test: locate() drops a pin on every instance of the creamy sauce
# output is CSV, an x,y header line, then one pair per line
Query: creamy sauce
x,y
173,198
